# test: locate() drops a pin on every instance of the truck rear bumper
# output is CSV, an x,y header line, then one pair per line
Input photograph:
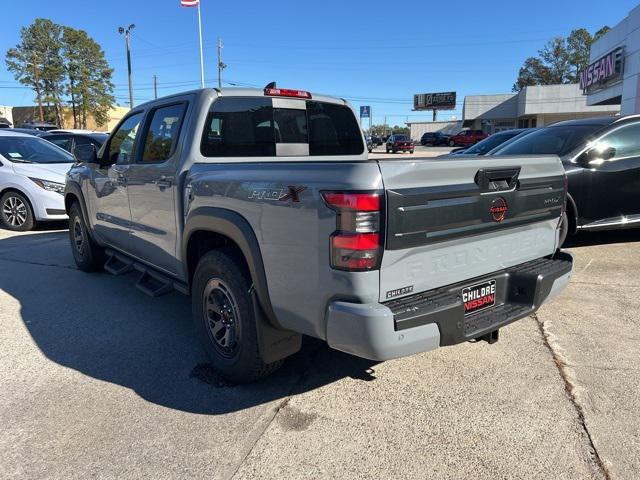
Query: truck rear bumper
x,y
425,321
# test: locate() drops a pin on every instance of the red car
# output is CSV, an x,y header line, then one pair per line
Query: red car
x,y
466,138
399,143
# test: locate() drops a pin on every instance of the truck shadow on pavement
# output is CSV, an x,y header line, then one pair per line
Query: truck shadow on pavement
x,y
103,327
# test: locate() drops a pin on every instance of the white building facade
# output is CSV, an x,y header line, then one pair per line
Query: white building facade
x,y
534,106
613,75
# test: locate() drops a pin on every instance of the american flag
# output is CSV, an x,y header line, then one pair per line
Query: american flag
x,y
189,3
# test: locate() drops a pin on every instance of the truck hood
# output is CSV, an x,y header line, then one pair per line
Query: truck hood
x,y
53,172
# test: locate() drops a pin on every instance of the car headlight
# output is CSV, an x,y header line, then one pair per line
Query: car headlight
x,y
50,186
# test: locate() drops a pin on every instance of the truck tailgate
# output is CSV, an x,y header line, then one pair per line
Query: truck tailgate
x,y
449,220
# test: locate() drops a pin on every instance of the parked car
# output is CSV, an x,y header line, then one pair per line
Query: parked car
x,y
70,140
483,147
467,138
399,143
5,123
32,173
380,258
370,144
434,139
42,126
30,131
602,159
377,141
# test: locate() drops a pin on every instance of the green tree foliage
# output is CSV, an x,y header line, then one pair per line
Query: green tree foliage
x,y
381,130
63,65
89,86
559,61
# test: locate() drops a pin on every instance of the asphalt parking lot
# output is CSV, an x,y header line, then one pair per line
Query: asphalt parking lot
x,y
98,380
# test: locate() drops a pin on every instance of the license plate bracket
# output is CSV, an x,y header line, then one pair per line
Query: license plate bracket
x,y
478,297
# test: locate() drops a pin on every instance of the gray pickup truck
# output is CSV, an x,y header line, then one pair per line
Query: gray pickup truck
x,y
264,207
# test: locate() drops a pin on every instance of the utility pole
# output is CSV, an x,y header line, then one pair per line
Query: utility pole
x,y
155,86
127,32
37,85
221,65
435,113
384,127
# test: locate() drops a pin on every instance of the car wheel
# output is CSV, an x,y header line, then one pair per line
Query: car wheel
x,y
225,319
564,229
452,143
410,151
88,255
16,213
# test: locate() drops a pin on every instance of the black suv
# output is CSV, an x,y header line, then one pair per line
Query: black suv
x,y
602,159
434,139
70,140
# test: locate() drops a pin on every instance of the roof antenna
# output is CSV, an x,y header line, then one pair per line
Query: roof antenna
x,y
270,85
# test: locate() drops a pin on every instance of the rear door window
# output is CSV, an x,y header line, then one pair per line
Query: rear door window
x,y
162,133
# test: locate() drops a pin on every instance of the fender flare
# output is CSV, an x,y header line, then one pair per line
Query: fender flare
x,y
237,228
574,209
73,189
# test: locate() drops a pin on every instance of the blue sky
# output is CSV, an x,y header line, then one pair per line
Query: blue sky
x,y
376,53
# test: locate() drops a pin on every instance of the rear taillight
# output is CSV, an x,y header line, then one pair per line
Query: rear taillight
x,y
356,245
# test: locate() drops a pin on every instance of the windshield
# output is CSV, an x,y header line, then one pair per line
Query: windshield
x,y
32,150
493,141
550,140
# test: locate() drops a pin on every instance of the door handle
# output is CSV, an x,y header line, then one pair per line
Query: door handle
x,y
163,182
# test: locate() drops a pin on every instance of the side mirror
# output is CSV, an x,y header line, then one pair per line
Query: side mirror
x,y
86,153
595,153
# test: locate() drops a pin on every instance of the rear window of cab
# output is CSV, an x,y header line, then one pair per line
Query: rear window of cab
x,y
252,127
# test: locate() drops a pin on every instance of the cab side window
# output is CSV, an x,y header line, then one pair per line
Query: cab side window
x,y
121,146
162,134
626,141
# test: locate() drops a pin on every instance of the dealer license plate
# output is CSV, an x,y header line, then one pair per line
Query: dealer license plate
x,y
479,297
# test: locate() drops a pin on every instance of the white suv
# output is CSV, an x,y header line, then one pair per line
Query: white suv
x,y
32,173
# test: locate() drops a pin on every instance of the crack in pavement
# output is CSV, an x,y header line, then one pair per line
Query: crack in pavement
x,y
39,264
570,389
304,373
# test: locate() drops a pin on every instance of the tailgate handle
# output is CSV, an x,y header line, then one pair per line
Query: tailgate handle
x,y
497,179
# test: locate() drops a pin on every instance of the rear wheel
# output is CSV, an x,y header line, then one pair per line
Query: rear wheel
x,y
225,319
16,213
88,255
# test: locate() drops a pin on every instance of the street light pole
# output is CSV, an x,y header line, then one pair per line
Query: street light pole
x,y
221,65
127,32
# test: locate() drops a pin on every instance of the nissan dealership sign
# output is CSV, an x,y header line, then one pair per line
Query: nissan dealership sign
x,y
603,71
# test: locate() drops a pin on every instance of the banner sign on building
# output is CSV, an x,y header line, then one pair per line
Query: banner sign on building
x,y
435,101
603,71
365,111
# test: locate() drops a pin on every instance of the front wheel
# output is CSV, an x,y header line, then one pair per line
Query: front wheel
x,y
452,143
225,319
16,213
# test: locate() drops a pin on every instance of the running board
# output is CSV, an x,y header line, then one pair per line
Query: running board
x,y
117,265
150,281
628,221
153,284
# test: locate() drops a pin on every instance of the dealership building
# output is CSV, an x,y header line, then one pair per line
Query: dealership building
x,y
534,106
613,75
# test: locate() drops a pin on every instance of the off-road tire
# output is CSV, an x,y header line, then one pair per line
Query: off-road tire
x,y
16,213
89,256
242,364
